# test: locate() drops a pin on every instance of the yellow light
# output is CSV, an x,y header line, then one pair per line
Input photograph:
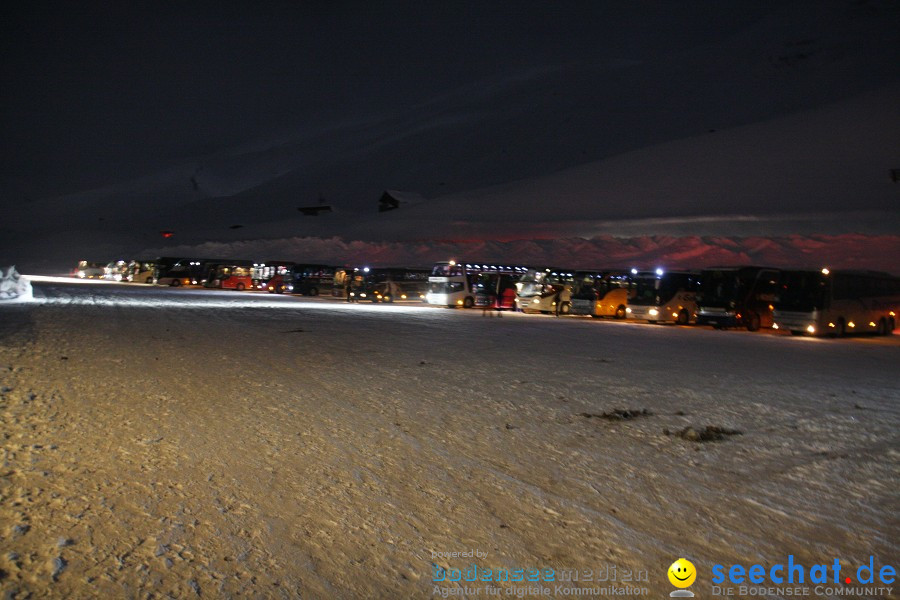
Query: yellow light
x,y
653,312
452,263
831,324
459,302
871,324
851,324
403,296
771,307
675,315
892,314
811,329
628,310
825,271
775,326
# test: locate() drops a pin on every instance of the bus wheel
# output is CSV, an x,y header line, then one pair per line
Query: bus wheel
x,y
683,318
313,291
620,312
270,289
564,308
239,287
469,302
175,282
149,280
882,327
753,322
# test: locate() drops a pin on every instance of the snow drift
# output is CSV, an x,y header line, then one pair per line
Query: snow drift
x,y
13,286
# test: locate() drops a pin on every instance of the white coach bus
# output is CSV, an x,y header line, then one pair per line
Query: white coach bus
x,y
837,303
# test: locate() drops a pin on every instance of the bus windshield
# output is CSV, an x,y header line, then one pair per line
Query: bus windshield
x,y
655,291
651,292
802,291
445,287
447,270
720,288
539,281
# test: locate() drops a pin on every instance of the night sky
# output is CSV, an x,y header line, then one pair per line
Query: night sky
x,y
120,120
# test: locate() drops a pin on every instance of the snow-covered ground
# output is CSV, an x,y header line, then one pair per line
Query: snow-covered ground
x,y
182,443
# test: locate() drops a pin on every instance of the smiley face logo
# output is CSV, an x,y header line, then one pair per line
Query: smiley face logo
x,y
682,573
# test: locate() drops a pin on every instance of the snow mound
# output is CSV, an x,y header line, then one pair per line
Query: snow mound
x,y
13,286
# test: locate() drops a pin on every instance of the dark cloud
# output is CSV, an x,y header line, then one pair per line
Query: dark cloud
x,y
194,116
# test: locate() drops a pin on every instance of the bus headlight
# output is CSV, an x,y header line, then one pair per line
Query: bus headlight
x,y
536,301
775,326
403,296
811,329
363,295
653,312
628,310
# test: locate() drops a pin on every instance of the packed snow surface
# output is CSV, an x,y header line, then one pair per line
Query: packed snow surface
x,y
185,443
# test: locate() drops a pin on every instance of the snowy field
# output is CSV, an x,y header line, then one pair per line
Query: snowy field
x,y
193,443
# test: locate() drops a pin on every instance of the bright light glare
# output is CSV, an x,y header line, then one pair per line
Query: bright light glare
x,y
212,299
49,279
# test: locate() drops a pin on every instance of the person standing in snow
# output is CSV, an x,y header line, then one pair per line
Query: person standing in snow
x,y
557,299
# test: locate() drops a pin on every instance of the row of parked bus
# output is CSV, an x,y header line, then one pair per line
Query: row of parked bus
x,y
276,277
802,301
814,302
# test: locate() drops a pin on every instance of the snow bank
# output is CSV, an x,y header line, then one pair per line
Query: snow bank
x,y
14,287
